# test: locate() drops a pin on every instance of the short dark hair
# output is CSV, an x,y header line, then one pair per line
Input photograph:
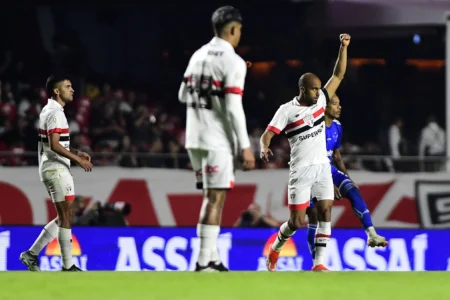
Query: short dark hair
x,y
223,16
52,81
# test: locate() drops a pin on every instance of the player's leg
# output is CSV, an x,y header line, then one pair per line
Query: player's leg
x,y
311,211
351,192
299,195
63,193
323,191
218,177
48,234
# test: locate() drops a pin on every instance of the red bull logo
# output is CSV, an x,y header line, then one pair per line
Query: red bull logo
x,y
51,261
288,259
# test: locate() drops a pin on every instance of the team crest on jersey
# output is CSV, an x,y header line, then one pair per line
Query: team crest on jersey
x,y
68,188
309,120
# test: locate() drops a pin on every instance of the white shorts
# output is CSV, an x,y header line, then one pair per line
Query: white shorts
x,y
311,181
59,185
213,169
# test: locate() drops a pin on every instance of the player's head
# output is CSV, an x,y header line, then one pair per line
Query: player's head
x,y
59,87
309,85
227,24
334,108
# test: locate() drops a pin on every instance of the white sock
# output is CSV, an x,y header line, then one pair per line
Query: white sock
x,y
47,235
208,242
283,235
323,234
371,232
215,258
65,243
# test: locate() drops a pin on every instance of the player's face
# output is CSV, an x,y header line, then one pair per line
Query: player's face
x,y
312,91
65,91
334,108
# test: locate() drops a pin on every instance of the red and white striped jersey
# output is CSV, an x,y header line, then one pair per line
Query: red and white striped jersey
x,y
52,119
214,77
305,129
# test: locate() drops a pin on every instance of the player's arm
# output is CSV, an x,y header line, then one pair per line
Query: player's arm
x,y
278,123
234,90
339,69
339,162
54,125
80,153
183,91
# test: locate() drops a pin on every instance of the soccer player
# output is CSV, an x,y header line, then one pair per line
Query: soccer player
x,y
302,119
343,185
216,126
55,155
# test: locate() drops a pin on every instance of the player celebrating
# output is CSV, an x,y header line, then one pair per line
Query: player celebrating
x,y
343,185
54,171
212,89
310,173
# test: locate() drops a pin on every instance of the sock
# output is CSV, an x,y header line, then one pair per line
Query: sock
x,y
65,243
208,242
47,235
310,237
322,238
359,206
283,235
215,258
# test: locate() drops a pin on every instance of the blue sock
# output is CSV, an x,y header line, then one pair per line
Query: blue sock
x,y
359,206
311,234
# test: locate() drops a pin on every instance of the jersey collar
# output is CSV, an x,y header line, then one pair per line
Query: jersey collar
x,y
218,41
55,104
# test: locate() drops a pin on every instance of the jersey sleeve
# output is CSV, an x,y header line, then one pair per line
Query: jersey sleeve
x,y
279,121
235,77
323,98
56,123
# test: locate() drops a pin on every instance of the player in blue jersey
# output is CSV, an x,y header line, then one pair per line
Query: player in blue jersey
x,y
343,185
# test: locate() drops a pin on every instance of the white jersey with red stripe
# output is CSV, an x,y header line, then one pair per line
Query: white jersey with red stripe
x,y
305,129
213,71
52,120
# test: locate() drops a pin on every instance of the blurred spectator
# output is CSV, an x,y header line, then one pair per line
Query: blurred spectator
x,y
432,143
253,217
109,214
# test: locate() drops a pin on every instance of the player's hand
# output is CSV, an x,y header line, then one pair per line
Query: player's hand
x,y
345,39
86,164
84,155
249,159
264,155
337,193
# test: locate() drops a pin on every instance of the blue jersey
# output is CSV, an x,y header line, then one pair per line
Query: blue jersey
x,y
333,135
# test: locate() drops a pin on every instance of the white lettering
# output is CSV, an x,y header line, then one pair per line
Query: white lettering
x,y
4,245
420,245
351,257
376,260
173,257
151,258
128,259
398,260
333,261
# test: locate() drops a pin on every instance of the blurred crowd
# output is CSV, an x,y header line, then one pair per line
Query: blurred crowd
x,y
141,128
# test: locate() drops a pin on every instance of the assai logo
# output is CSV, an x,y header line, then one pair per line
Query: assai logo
x,y
158,253
289,260
51,260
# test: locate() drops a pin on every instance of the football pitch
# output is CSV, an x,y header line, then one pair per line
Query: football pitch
x,y
230,286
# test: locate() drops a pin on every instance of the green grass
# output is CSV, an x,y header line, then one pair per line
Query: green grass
x,y
218,286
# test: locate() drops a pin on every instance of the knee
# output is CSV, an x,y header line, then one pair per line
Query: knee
x,y
296,222
312,215
324,210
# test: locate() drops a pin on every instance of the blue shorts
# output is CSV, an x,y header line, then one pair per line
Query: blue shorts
x,y
342,181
